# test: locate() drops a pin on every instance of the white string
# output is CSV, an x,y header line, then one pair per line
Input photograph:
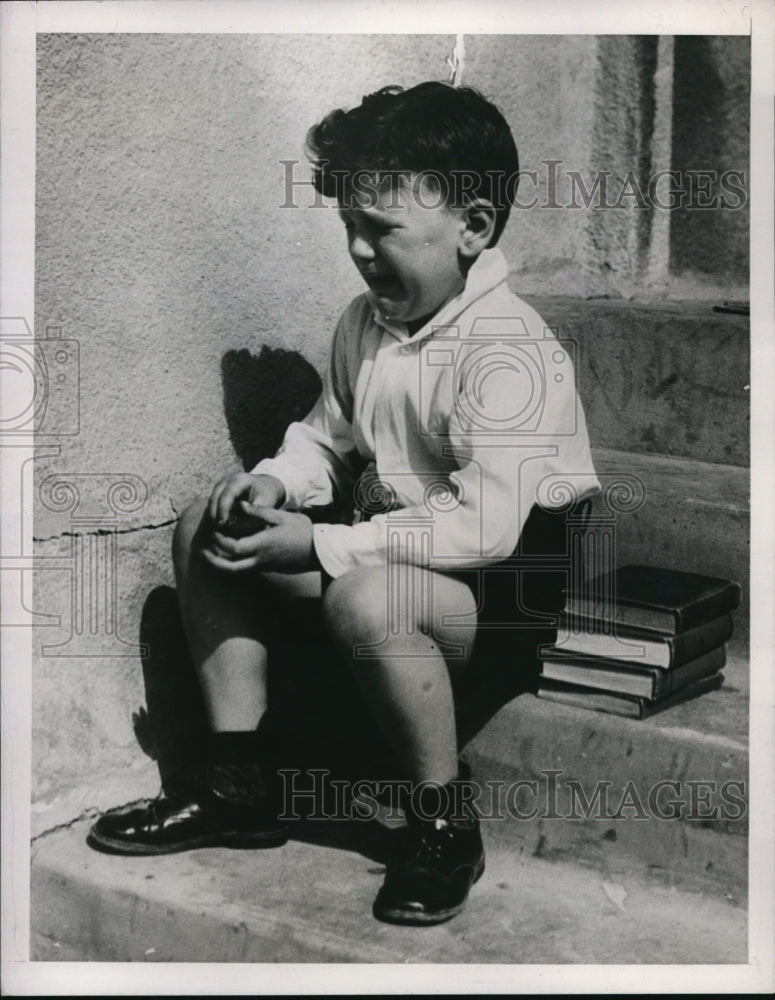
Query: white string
x,y
457,61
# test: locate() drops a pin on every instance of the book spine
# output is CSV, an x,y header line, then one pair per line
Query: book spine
x,y
685,693
637,647
613,704
639,651
669,682
709,607
598,701
635,683
660,620
690,644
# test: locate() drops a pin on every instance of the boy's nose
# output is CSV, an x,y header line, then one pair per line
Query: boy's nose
x,y
361,248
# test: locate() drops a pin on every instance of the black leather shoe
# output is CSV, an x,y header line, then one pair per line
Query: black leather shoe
x,y
431,885
230,807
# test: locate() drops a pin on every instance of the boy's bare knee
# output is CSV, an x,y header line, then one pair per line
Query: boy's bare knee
x,y
187,527
355,607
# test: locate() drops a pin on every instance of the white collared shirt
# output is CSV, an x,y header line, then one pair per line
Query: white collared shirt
x,y
468,423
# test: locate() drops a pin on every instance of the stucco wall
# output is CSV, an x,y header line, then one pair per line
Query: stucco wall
x,y
161,244
711,134
163,251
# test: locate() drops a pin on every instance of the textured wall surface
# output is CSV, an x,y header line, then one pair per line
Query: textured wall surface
x,y
670,379
163,251
711,134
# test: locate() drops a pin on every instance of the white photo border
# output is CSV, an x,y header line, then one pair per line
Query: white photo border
x,y
20,23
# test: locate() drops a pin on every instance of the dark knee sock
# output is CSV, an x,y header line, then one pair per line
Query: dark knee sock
x,y
234,748
237,769
249,746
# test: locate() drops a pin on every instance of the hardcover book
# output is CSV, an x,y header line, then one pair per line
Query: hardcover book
x,y
622,704
650,683
640,647
650,597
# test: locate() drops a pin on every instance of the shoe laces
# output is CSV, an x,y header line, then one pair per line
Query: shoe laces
x,y
159,807
244,783
433,841
179,790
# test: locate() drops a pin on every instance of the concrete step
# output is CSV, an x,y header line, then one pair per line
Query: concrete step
x,y
670,378
603,888
693,516
310,901
701,747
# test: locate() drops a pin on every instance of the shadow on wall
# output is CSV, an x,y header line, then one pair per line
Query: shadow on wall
x,y
173,728
262,394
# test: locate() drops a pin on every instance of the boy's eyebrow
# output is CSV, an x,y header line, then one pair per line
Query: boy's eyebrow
x,y
347,212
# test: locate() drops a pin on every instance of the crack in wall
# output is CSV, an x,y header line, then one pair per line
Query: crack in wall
x,y
110,531
88,814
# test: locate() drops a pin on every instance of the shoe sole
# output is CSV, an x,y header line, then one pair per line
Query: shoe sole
x,y
420,917
236,841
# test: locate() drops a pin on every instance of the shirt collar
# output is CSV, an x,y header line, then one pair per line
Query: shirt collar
x,y
487,271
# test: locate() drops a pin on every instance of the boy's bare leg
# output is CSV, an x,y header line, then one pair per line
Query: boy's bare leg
x,y
399,615
233,799
404,677
224,618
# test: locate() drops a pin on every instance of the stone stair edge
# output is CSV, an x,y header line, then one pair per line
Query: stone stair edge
x,y
693,515
661,463
736,675
669,308
649,375
84,903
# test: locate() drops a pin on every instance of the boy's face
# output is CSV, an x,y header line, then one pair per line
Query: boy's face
x,y
404,241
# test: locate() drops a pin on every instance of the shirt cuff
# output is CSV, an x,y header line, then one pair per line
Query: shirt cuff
x,y
342,547
294,494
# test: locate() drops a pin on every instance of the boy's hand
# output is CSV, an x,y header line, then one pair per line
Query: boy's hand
x,y
260,491
283,544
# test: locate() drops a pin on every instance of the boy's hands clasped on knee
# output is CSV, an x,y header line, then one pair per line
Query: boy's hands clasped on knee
x,y
260,491
250,533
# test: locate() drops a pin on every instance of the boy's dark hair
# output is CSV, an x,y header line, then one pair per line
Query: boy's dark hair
x,y
452,133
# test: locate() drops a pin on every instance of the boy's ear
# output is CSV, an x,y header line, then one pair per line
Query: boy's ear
x,y
479,219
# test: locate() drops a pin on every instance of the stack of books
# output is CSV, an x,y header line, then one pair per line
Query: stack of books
x,y
639,640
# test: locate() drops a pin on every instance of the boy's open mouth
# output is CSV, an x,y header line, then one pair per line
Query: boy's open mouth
x,y
383,285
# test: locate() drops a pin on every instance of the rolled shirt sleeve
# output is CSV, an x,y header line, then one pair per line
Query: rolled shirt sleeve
x,y
317,461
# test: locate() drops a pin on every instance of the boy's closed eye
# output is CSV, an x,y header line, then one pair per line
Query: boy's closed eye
x,y
376,226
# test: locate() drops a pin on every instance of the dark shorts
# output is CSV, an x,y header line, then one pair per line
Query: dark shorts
x,y
524,589
519,598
